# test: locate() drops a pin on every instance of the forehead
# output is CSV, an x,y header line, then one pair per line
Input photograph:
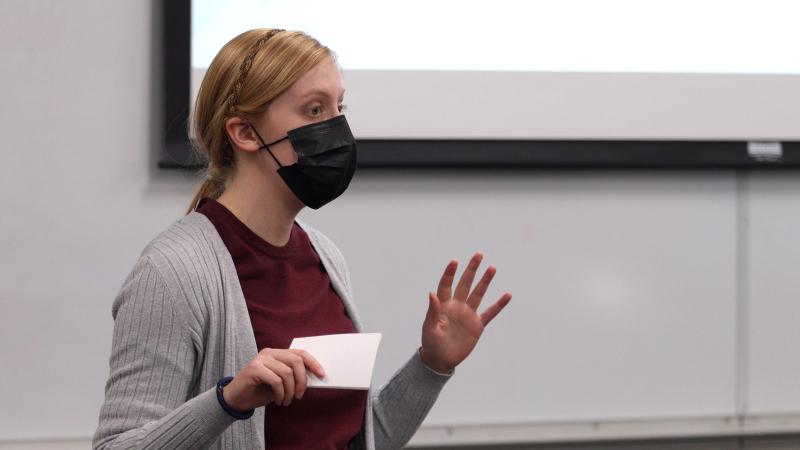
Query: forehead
x,y
323,79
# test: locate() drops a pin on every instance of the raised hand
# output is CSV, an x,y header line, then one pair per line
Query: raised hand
x,y
452,325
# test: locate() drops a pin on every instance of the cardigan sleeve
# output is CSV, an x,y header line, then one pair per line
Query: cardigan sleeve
x,y
148,394
400,406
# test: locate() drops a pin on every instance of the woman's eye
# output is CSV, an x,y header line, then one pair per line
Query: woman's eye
x,y
315,110
342,108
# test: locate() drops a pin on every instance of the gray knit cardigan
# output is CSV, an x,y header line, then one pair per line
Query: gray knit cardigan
x,y
181,324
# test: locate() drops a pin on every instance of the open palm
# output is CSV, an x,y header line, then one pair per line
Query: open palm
x,y
452,326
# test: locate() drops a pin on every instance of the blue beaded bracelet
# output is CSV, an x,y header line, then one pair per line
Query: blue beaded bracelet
x,y
235,414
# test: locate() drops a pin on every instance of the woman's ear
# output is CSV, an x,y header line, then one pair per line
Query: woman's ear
x,y
241,134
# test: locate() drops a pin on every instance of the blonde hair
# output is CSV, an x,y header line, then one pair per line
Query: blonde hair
x,y
244,77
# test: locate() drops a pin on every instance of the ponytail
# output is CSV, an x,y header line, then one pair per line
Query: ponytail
x,y
208,189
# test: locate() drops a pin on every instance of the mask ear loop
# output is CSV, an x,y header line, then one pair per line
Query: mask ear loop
x,y
266,146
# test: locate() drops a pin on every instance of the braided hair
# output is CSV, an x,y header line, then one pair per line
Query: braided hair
x,y
244,69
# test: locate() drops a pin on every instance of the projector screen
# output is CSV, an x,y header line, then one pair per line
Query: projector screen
x,y
585,72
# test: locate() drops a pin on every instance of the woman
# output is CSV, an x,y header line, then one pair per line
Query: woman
x,y
225,289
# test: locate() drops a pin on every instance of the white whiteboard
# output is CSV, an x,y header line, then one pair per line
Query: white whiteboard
x,y
773,293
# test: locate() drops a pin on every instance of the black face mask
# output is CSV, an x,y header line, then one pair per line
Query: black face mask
x,y
326,161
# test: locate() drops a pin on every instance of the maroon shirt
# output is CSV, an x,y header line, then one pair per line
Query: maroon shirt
x,y
289,294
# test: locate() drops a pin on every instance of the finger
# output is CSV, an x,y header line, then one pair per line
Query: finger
x,y
272,381
446,282
287,377
476,296
434,308
465,283
295,362
495,309
312,363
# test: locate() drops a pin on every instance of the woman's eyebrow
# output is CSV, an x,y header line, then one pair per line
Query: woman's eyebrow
x,y
321,93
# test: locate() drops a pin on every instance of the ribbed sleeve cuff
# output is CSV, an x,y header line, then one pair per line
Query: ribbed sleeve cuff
x,y
424,378
209,415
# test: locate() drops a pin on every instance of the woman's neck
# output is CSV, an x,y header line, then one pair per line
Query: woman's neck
x,y
269,210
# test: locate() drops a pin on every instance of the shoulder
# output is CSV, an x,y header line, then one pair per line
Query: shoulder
x,y
186,244
187,262
189,256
